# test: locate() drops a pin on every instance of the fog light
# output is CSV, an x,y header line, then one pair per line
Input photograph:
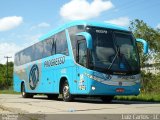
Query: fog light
x,y
93,88
139,90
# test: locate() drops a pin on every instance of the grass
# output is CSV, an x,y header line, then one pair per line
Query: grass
x,y
149,97
8,92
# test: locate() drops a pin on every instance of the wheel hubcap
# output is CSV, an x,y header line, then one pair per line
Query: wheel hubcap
x,y
66,91
23,91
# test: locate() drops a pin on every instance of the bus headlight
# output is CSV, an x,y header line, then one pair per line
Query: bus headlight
x,y
93,88
94,77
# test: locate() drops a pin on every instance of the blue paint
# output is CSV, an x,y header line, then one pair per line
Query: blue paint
x,y
80,78
82,22
145,45
88,39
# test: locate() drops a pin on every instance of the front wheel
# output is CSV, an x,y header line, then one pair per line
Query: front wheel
x,y
67,97
24,94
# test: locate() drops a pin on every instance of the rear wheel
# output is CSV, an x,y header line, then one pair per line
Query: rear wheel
x,y
107,99
67,97
23,92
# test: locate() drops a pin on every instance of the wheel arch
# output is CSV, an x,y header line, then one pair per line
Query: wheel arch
x,y
62,80
22,84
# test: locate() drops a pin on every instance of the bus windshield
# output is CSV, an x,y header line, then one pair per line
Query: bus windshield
x,y
113,51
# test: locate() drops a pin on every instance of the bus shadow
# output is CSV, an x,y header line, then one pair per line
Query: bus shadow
x,y
97,101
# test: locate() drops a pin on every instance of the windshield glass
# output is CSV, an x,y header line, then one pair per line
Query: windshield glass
x,y
113,51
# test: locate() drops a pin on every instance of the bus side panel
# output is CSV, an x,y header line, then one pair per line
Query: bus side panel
x,y
20,75
16,83
67,71
26,75
47,81
69,74
72,82
83,85
52,71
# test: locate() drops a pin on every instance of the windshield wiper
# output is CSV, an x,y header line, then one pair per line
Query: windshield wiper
x,y
121,56
117,53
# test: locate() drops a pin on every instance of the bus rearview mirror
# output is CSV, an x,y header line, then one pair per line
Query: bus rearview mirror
x,y
88,38
145,45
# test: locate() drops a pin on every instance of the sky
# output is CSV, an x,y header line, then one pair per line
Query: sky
x,y
22,22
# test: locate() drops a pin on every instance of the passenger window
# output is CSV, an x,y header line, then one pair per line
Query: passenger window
x,y
47,47
72,33
61,43
17,60
38,51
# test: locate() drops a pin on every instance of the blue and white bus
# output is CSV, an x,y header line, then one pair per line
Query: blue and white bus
x,y
81,58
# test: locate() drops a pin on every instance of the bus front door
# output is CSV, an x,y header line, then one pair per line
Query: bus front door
x,y
82,64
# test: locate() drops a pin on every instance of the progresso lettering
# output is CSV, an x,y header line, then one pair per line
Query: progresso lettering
x,y
54,62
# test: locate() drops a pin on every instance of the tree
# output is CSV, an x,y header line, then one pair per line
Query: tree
x,y
3,83
140,29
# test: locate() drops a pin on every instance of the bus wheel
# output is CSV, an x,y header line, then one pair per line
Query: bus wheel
x,y
23,92
67,97
52,96
107,99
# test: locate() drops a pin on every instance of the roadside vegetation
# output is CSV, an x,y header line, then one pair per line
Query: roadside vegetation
x,y
4,83
150,89
9,91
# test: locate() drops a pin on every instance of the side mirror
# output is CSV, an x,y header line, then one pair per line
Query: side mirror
x,y
88,38
145,45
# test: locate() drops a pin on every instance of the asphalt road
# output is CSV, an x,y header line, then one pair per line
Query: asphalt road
x,y
41,105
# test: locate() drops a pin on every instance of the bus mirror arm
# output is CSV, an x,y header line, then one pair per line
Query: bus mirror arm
x,y
88,38
145,45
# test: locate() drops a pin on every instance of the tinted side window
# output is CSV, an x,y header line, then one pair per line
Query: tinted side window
x,y
72,32
61,43
53,46
27,55
20,57
47,47
16,59
38,51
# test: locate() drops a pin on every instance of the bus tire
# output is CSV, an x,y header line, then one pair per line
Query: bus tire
x,y
52,96
107,99
67,97
23,92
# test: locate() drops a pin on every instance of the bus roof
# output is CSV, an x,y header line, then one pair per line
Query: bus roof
x,y
82,22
